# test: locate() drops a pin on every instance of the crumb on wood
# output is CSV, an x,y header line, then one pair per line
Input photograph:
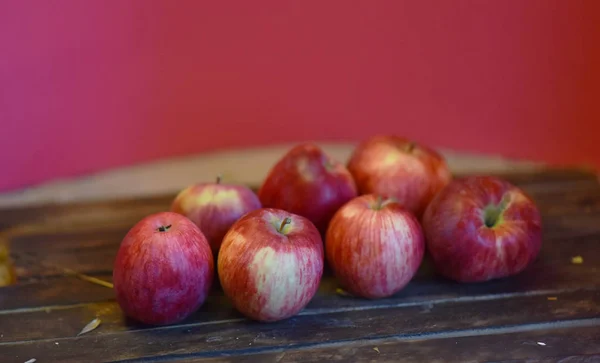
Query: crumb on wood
x,y
377,350
342,292
552,298
90,326
577,260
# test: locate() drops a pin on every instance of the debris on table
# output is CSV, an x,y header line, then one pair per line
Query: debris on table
x,y
377,350
542,344
342,292
577,260
552,298
90,326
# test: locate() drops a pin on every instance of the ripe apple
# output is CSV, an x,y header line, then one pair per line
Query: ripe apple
x,y
393,166
481,228
270,264
374,246
214,207
308,182
163,270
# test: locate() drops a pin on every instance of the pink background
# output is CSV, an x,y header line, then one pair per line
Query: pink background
x,y
89,85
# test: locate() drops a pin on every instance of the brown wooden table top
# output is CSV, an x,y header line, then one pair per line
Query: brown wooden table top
x,y
549,313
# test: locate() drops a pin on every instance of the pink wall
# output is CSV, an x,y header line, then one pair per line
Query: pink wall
x,y
88,85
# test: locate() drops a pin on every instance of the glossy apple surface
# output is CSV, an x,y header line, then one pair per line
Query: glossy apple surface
x,y
163,270
214,207
396,167
308,182
374,246
270,264
482,228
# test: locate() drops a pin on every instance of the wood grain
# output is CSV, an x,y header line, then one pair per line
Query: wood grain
x,y
565,345
240,335
546,180
432,319
43,293
553,270
87,242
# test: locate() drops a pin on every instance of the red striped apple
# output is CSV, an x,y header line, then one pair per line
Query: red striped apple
x,y
308,182
270,264
396,167
214,207
374,246
481,228
163,270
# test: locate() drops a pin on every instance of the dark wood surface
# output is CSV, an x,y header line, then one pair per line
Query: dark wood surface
x,y
432,320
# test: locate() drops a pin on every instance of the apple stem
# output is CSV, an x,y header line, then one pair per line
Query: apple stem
x,y
219,177
410,147
287,220
493,214
164,228
379,202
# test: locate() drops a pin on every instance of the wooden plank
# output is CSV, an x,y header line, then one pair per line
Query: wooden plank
x,y
92,250
68,320
85,237
567,227
123,214
51,292
41,323
129,210
578,194
89,220
88,252
565,345
552,271
67,241
45,256
88,242
545,175
242,336
10,217
592,358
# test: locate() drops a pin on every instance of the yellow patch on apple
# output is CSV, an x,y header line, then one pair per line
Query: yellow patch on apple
x,y
305,170
270,281
210,196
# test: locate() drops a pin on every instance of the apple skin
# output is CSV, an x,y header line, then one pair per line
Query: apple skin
x,y
214,207
162,277
374,246
271,275
466,249
308,182
393,166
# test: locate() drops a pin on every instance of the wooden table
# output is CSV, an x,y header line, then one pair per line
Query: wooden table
x,y
549,313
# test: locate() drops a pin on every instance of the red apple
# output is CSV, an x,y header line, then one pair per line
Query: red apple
x,y
270,264
308,182
481,228
396,167
214,207
163,270
374,246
